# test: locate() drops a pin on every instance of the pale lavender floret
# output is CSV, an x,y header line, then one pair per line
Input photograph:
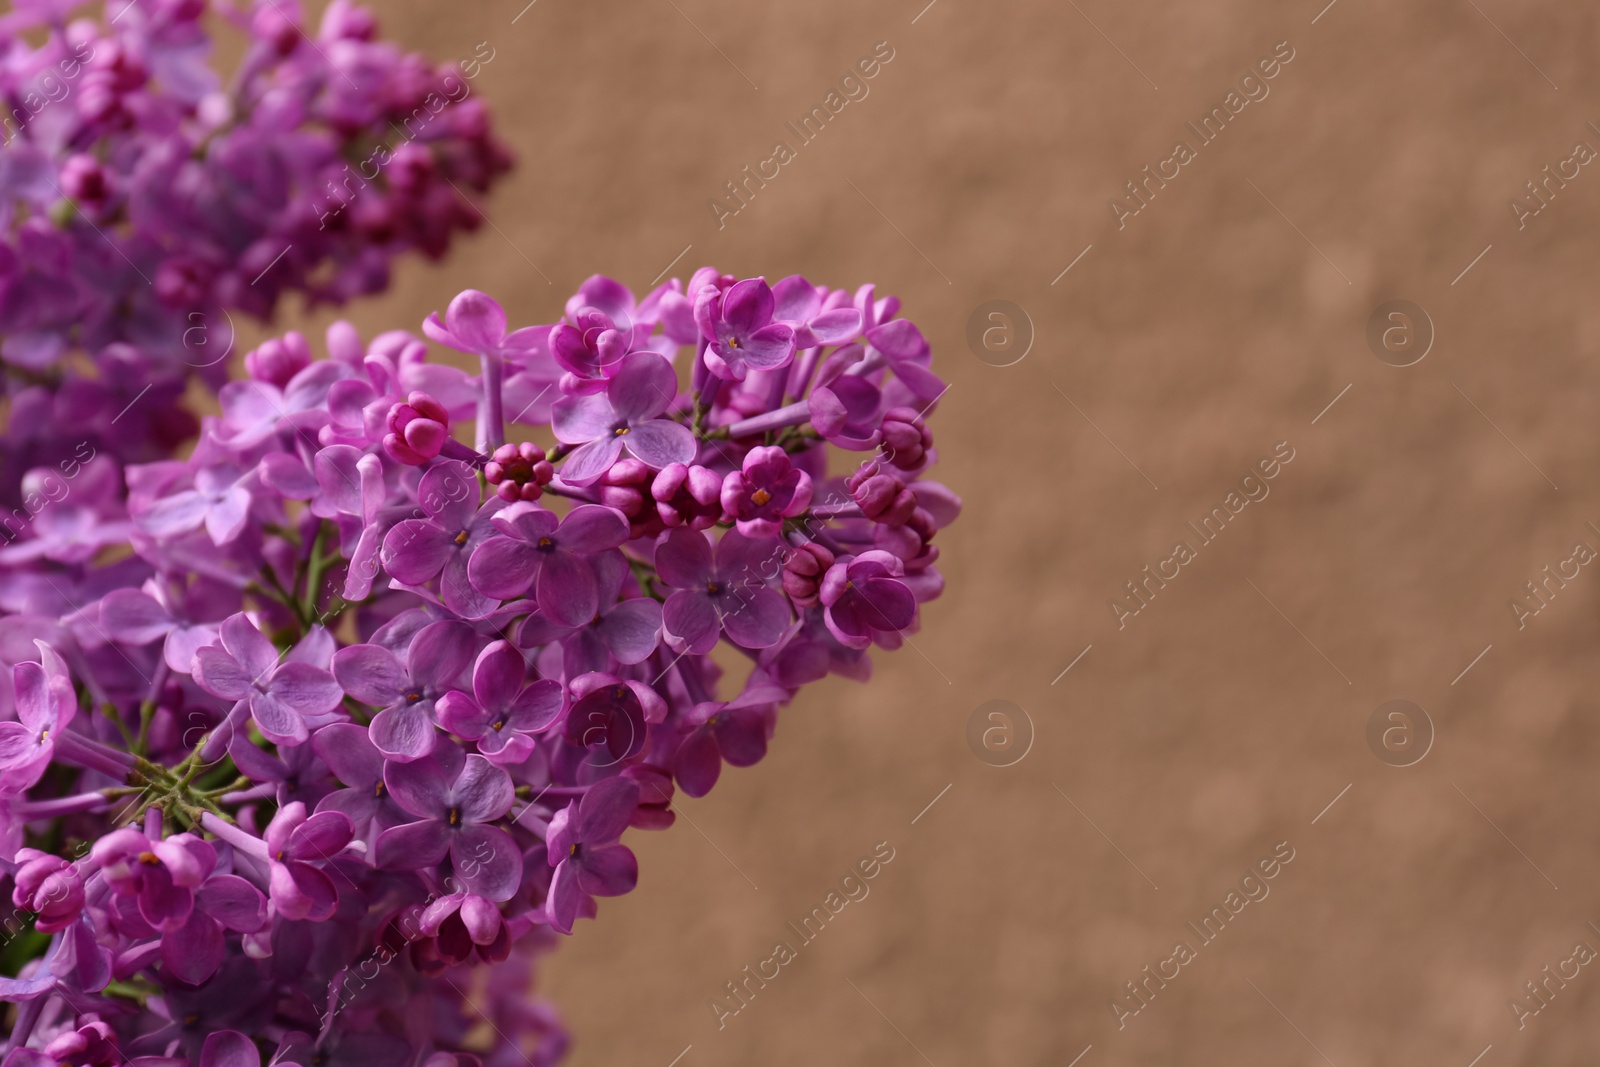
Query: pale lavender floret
x,y
406,689
185,621
45,707
533,549
738,324
455,799
721,589
285,695
626,418
504,709
417,551
582,847
220,501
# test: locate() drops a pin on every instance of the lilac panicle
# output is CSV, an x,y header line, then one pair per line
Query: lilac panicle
x,y
367,698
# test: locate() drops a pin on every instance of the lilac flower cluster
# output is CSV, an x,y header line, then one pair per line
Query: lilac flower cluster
x,y
143,201
367,705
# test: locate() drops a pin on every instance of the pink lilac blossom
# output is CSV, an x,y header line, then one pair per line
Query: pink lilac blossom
x,y
361,706
147,198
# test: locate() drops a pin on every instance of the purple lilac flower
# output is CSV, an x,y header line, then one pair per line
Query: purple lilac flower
x,y
738,323
626,417
534,549
220,501
504,709
627,630
591,349
767,490
721,589
610,717
455,799
417,551
801,306
583,849
286,695
45,706
863,596
406,691
159,876
735,731
297,844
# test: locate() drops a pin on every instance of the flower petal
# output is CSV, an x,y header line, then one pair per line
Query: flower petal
x,y
412,846
487,861
660,442
588,462
757,617
644,386
193,952
229,1048
503,567
249,646
174,515
590,528
567,590
277,721
604,811
233,902
482,792
370,673
301,891
321,837
698,763
134,617
415,550
307,689
608,872
689,622
440,652
498,675
403,733
684,559
477,321
632,629
220,674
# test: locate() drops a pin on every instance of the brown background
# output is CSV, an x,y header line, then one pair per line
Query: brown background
x,y
1196,339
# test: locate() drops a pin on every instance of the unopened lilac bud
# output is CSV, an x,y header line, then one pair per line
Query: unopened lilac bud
x,y
623,486
418,429
347,21
85,181
49,886
882,497
279,359
688,496
803,569
518,472
906,439
274,26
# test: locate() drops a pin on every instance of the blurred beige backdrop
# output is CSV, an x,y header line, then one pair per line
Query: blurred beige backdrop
x,y
1186,343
